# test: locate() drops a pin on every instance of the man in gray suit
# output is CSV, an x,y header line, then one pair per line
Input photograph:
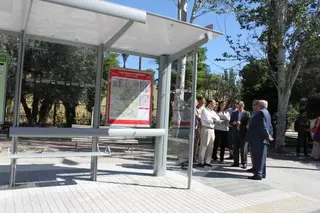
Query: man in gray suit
x,y
260,134
239,120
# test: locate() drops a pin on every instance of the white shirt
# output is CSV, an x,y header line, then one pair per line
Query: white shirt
x,y
198,115
199,111
209,118
225,117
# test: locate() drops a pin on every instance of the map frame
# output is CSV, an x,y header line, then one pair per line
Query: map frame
x,y
130,74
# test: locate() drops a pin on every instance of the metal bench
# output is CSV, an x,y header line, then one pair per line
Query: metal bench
x,y
31,132
57,155
109,141
76,132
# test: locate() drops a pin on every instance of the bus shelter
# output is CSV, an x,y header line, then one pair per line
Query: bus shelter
x,y
107,27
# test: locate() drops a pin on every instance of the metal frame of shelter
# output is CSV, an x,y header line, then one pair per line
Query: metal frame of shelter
x,y
131,16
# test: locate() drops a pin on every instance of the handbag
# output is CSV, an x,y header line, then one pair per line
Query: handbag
x,y
314,129
316,126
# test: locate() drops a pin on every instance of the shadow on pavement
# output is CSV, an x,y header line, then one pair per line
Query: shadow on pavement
x,y
46,175
292,157
143,185
223,172
287,167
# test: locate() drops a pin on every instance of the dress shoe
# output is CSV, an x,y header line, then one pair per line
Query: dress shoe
x,y
201,165
235,165
208,165
255,177
244,166
251,170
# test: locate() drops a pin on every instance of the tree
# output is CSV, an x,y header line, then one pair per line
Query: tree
x,y
307,88
228,87
198,9
110,60
288,34
256,84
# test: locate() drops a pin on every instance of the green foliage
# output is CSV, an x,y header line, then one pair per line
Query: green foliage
x,y
54,73
293,114
286,33
202,7
307,87
209,85
256,84
221,86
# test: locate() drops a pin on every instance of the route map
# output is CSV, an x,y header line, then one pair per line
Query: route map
x,y
129,97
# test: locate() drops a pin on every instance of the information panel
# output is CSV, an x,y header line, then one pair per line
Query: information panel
x,y
3,85
129,98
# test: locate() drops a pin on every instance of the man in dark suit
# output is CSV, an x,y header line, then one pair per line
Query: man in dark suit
x,y
239,120
254,110
259,135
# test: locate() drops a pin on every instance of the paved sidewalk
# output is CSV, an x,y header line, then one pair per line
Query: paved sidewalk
x,y
125,185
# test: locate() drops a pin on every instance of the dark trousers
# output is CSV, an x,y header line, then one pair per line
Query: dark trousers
x,y
259,157
240,144
250,150
230,139
196,144
302,139
222,141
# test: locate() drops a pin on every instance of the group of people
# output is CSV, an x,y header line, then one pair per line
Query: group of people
x,y
236,129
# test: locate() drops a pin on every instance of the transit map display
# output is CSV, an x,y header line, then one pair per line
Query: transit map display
x,y
129,98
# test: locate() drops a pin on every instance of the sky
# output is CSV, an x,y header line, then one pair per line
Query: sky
x,y
227,24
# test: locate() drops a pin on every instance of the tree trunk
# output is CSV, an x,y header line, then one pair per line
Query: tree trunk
x,y
181,72
54,114
281,128
70,114
45,108
27,110
283,87
35,107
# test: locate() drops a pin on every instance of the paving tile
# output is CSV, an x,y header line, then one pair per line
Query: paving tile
x,y
62,188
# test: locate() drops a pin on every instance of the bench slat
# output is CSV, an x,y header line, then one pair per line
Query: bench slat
x,y
39,132
57,155
107,141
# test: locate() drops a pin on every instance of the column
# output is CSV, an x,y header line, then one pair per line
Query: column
x,y
16,107
161,145
96,113
193,115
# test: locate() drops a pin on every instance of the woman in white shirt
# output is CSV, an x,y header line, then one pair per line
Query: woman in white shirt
x,y
221,131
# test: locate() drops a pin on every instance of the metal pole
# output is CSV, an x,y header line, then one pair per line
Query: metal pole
x,y
16,109
96,113
140,62
161,145
105,8
193,115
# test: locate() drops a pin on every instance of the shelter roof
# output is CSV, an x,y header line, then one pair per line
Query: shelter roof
x,y
92,23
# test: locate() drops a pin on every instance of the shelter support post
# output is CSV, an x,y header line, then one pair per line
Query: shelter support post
x,y
96,113
16,107
161,145
193,115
